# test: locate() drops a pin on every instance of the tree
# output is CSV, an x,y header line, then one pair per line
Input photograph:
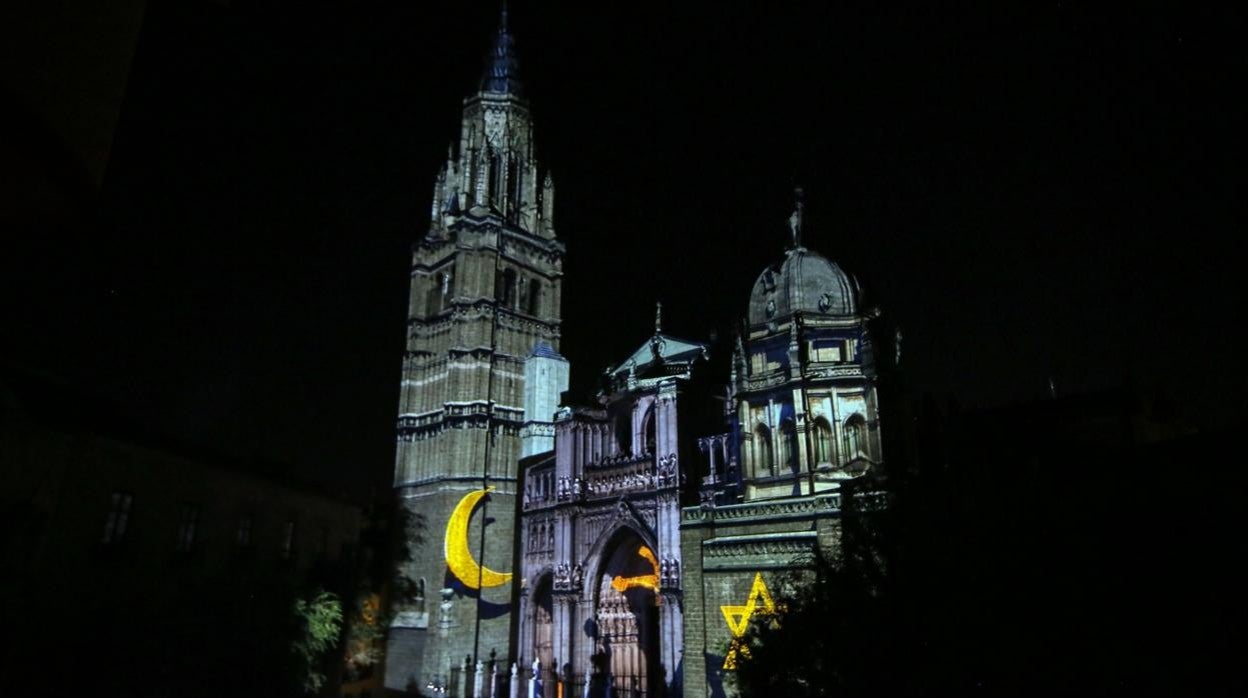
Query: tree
x,y
830,635
319,619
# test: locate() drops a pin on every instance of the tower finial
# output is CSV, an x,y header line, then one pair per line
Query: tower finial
x,y
658,317
795,219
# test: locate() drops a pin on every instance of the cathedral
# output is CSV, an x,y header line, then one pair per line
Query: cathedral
x,y
623,545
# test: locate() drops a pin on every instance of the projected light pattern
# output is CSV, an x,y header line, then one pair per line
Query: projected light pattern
x,y
645,581
458,554
738,618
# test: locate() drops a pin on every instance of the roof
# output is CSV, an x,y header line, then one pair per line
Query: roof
x,y
805,282
544,350
670,349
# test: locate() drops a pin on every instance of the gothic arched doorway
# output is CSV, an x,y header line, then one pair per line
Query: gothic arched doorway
x,y
543,623
627,616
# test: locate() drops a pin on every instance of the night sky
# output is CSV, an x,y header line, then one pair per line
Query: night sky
x,y
1051,192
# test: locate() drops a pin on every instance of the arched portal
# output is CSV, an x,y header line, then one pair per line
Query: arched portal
x,y
544,623
626,614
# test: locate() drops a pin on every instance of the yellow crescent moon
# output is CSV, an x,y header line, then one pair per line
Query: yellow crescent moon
x,y
458,557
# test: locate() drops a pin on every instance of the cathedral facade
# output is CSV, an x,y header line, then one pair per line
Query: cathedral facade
x,y
599,545
624,545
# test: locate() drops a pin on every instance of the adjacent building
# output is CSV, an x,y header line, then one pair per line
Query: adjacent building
x,y
138,565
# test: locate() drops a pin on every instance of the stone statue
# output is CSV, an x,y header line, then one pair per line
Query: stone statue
x,y
795,220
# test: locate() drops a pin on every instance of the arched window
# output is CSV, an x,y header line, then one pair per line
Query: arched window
x,y
534,297
505,288
823,441
515,186
649,430
788,445
764,458
854,437
435,295
494,180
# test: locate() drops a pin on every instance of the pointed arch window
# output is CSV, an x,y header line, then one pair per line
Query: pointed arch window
x,y
439,289
505,288
514,184
648,431
494,181
854,437
764,463
823,441
787,447
533,297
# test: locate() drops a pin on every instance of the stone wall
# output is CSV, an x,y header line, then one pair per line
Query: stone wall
x,y
728,550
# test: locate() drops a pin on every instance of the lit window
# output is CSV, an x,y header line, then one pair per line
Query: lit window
x,y
118,517
187,525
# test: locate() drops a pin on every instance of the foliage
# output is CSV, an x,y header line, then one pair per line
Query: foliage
x,y
367,633
827,637
320,619
387,539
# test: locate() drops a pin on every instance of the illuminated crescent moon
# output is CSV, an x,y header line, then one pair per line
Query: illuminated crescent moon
x,y
458,557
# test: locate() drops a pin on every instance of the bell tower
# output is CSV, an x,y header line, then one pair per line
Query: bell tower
x,y
484,303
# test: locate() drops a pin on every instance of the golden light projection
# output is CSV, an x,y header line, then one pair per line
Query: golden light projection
x,y
645,581
458,556
738,618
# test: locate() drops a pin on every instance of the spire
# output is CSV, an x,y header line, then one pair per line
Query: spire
x,y
501,75
795,220
657,345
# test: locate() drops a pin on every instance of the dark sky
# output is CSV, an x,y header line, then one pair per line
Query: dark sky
x,y
1049,191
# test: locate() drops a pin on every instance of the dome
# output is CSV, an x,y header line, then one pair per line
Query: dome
x,y
805,282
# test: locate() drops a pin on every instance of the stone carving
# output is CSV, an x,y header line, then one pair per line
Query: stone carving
x,y
445,609
669,573
562,577
667,471
769,510
790,547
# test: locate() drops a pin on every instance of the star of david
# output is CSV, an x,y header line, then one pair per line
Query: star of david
x,y
738,618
